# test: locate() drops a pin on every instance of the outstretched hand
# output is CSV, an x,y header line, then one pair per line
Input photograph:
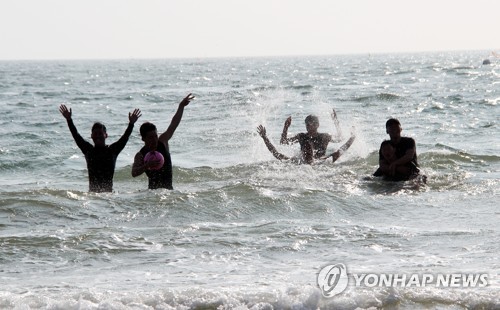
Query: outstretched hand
x,y
134,116
335,155
187,100
334,115
262,131
288,122
65,112
353,131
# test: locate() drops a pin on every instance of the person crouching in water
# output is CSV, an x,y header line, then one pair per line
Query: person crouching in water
x,y
397,156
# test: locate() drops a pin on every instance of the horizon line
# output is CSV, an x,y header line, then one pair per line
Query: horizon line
x,y
489,51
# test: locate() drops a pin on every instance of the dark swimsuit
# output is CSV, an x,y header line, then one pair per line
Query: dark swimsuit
x,y
101,161
160,178
404,145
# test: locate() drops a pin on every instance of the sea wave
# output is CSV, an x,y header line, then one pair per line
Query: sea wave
x,y
292,297
378,97
242,229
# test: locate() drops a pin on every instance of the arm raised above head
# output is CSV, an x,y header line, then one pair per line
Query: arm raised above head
x,y
65,112
80,142
335,155
132,118
262,132
284,134
167,135
338,136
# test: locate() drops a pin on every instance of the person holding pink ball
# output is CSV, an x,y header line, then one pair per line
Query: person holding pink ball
x,y
154,158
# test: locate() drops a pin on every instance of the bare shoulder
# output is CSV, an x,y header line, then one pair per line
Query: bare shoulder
x,y
325,137
138,158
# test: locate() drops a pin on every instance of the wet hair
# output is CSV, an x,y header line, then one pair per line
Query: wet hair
x,y
99,126
145,128
312,119
392,122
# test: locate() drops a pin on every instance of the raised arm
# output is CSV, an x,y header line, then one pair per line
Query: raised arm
x,y
164,137
132,118
335,155
284,136
80,142
338,137
262,132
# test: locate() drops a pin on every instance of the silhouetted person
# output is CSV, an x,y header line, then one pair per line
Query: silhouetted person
x,y
101,158
312,138
399,163
307,150
161,178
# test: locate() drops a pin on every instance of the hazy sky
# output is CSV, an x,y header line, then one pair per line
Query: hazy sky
x,y
90,29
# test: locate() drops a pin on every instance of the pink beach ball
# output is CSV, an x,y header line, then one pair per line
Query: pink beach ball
x,y
154,156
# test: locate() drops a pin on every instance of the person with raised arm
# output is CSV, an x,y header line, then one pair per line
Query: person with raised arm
x,y
307,150
318,141
100,158
158,178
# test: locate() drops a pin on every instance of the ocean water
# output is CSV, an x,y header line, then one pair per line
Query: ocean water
x,y
242,230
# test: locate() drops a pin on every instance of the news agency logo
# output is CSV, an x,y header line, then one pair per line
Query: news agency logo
x,y
333,280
